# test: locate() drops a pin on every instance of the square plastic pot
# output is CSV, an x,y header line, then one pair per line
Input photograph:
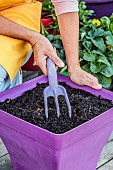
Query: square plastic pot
x,y
33,148
101,7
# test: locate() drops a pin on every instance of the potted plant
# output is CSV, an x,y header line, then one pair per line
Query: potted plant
x,y
96,49
101,7
32,147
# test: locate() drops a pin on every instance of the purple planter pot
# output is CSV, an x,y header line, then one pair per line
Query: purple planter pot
x,y
100,7
33,148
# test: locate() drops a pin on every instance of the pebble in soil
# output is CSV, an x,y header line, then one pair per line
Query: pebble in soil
x,y
30,107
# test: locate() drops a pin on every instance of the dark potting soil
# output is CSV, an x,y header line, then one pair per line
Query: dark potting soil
x,y
30,107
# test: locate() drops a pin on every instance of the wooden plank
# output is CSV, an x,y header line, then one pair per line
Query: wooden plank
x,y
107,153
5,163
107,166
3,150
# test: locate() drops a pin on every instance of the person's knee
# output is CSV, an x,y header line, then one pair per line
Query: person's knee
x,y
5,79
4,84
3,74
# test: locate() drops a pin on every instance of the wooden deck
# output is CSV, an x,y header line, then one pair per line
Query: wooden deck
x,y
105,162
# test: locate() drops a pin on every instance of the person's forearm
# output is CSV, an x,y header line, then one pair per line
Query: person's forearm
x,y
69,29
11,29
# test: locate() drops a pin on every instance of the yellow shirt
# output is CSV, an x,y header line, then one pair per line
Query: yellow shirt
x,y
13,51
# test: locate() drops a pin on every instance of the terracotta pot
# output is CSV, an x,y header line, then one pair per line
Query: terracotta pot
x,y
40,0
46,22
29,65
33,148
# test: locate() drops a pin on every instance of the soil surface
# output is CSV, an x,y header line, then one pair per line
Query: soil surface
x,y
30,107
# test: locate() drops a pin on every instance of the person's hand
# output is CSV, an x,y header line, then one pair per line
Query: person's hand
x,y
80,77
43,49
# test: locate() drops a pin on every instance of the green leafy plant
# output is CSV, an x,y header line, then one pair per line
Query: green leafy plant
x,y
57,43
49,11
84,14
95,45
96,50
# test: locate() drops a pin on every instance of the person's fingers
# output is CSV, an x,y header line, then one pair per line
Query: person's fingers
x,y
41,62
92,78
43,68
34,64
82,78
35,60
98,87
55,58
54,49
92,82
55,52
56,68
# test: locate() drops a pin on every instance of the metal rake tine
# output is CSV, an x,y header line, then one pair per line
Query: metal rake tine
x,y
67,101
56,103
45,104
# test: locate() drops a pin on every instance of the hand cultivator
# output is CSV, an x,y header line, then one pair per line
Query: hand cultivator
x,y
54,89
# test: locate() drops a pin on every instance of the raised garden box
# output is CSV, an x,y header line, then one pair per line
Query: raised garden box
x,y
33,148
